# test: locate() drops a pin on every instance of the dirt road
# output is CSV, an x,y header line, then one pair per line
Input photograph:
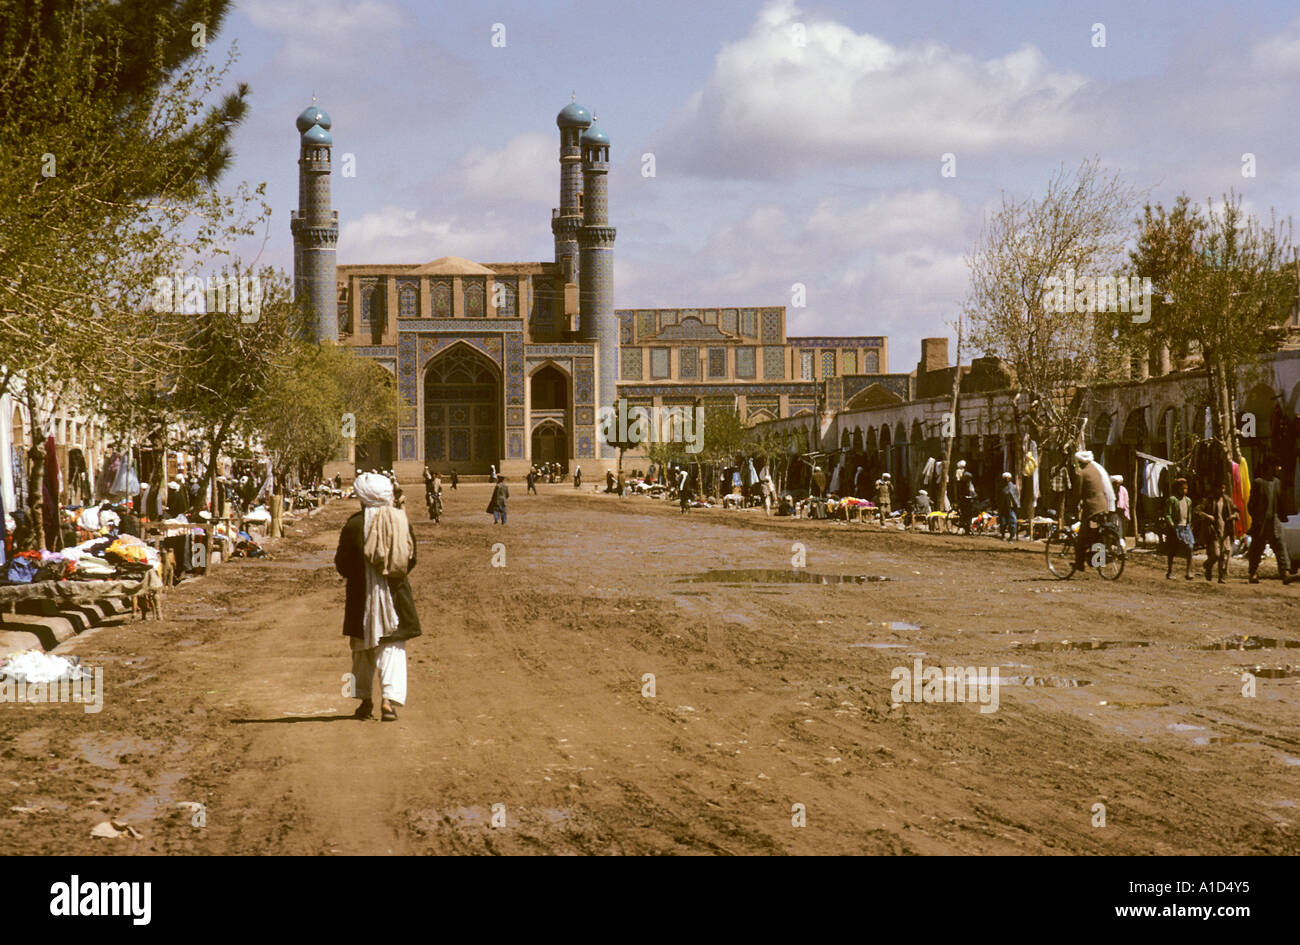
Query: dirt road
x,y
527,731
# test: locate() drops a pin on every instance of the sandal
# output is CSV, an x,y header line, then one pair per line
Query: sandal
x,y
364,711
387,712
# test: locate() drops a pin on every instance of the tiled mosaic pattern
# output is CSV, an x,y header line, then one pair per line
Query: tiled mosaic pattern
x,y
630,366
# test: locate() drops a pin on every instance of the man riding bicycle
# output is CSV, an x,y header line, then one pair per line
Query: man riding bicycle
x,y
433,495
1096,503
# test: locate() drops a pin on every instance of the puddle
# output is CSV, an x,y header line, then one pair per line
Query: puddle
x,y
1272,672
903,625
160,800
778,576
1184,727
1253,643
112,754
1222,740
1046,682
878,646
1048,645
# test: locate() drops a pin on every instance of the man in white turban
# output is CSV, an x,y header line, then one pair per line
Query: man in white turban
x,y
1096,497
376,552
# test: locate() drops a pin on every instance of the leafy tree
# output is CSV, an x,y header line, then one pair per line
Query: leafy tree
x,y
301,413
1224,284
110,160
229,361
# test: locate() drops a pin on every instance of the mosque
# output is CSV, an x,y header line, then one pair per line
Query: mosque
x,y
508,364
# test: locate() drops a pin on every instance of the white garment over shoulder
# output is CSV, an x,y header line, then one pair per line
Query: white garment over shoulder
x,y
380,617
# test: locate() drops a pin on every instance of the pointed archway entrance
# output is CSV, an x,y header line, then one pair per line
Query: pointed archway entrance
x,y
462,411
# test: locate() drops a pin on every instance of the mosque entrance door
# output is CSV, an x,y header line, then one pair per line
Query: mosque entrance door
x,y
462,412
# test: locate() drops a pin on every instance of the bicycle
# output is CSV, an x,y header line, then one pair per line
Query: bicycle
x,y
434,501
1106,554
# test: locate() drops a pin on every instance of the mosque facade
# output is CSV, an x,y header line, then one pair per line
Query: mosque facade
x,y
507,364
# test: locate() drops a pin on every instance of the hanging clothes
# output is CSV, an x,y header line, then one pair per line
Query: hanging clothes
x,y
125,482
1151,473
8,494
1243,523
1032,464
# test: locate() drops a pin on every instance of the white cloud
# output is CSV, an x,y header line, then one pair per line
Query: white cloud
x,y
1280,53
401,235
845,98
525,169
889,264
334,34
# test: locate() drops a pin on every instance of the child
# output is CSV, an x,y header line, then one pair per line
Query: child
x,y
1220,515
1178,524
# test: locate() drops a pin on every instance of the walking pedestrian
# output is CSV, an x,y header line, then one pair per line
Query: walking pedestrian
x,y
1178,529
577,477
532,481
884,497
1220,515
1008,503
1122,511
683,489
497,504
375,554
964,493
455,479
1266,523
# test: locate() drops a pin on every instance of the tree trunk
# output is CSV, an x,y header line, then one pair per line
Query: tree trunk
x,y
214,450
35,492
35,475
1221,406
276,528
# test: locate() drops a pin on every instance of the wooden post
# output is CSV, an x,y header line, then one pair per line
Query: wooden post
x,y
1134,502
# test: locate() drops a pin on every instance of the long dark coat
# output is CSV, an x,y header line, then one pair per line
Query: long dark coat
x,y
350,561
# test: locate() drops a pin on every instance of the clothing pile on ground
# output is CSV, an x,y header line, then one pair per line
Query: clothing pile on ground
x,y
122,557
37,666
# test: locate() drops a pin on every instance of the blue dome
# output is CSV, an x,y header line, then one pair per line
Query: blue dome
x,y
312,115
594,135
317,135
573,115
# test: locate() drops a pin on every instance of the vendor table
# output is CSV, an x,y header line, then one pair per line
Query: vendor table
x,y
85,592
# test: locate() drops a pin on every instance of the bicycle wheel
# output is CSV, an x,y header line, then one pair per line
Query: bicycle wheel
x,y
1111,565
1060,556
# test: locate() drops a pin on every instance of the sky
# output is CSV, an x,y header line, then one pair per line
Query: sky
x,y
793,142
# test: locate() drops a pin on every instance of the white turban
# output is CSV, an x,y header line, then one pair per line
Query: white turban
x,y
374,490
1083,456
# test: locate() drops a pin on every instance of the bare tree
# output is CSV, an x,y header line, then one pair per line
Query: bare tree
x,y
1074,234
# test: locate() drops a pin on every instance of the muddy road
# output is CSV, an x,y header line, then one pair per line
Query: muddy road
x,y
530,727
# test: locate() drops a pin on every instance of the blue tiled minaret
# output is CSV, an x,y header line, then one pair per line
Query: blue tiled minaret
x,y
565,220
315,228
596,265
